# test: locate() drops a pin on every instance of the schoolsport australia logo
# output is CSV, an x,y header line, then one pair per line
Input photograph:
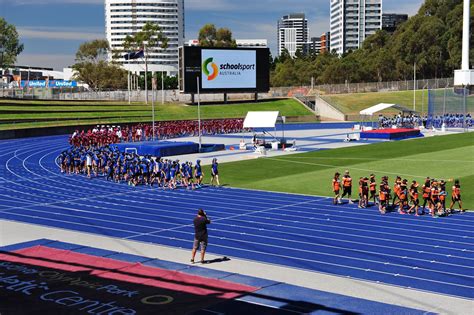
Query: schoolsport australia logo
x,y
205,69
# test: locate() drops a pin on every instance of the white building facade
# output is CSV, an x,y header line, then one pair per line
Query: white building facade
x,y
292,33
126,17
352,21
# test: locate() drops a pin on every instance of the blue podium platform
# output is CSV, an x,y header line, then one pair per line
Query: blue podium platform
x,y
167,148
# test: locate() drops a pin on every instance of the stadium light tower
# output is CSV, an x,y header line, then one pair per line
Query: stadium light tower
x,y
465,76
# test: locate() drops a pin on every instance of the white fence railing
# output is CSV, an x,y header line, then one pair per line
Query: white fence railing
x,y
176,96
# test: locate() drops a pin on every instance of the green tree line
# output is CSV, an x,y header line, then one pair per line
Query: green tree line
x,y
432,39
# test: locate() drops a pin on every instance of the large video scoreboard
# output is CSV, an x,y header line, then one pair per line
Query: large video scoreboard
x,y
224,70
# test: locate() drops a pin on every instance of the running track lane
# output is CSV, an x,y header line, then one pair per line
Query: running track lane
x,y
297,231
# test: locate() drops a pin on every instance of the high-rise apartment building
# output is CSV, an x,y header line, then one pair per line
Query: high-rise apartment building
x,y
126,17
292,33
325,42
312,47
390,21
352,21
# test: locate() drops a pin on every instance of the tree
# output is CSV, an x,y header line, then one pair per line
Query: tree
x,y
151,39
284,56
209,36
150,36
432,38
10,43
92,67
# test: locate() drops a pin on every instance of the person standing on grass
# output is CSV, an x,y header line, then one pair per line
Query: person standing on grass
x,y
456,196
215,173
336,188
347,186
200,234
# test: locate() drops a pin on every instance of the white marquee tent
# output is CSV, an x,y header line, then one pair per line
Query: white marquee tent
x,y
378,108
382,106
264,120
261,119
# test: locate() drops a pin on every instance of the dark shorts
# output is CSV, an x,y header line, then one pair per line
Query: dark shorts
x,y
454,199
200,242
347,190
336,192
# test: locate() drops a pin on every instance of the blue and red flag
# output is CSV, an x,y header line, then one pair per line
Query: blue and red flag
x,y
134,55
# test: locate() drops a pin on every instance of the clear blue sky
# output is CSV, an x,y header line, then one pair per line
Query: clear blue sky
x,y
52,30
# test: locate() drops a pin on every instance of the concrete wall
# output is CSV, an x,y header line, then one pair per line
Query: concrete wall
x,y
327,111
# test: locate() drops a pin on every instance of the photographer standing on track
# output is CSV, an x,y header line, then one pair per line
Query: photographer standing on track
x,y
200,234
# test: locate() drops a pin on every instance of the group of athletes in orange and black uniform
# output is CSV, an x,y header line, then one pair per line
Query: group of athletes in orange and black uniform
x,y
404,196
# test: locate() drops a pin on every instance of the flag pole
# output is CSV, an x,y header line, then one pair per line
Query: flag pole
x,y
162,88
129,85
153,88
146,74
199,114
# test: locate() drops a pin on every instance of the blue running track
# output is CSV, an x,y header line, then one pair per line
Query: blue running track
x,y
303,232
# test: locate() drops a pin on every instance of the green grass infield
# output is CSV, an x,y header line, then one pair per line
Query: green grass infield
x,y
36,114
442,157
352,104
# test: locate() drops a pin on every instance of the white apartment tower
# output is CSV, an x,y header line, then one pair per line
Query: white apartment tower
x,y
352,21
292,33
126,17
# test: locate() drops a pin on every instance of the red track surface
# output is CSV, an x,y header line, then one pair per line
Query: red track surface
x,y
126,272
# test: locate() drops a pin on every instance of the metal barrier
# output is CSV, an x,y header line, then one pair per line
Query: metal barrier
x,y
176,96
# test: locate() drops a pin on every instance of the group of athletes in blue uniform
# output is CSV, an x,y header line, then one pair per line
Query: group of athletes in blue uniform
x,y
133,169
404,196
450,120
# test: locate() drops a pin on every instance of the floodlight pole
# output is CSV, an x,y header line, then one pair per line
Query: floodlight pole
x,y
423,99
129,83
153,107
146,74
414,86
162,88
199,113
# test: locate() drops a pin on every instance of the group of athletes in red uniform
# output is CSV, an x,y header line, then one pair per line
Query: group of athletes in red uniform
x,y
405,196
105,135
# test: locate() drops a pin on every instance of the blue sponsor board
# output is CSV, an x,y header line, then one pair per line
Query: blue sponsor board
x,y
50,84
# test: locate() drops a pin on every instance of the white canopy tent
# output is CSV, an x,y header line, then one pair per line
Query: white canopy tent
x,y
265,120
380,107
261,119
